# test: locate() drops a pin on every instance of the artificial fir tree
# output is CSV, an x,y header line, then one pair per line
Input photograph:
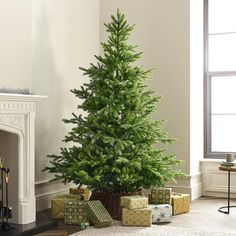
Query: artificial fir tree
x,y
113,145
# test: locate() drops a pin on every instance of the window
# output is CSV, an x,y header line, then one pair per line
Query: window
x,y
220,77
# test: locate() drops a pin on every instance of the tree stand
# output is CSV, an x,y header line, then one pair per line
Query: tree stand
x,y
111,201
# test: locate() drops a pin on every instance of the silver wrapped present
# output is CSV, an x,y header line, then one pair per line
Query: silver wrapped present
x,y
161,213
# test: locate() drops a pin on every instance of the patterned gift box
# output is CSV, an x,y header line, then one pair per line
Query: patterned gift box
x,y
75,212
57,205
161,213
149,198
84,192
134,202
161,196
98,214
84,225
180,203
136,217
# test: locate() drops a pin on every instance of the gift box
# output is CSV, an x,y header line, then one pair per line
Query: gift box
x,y
98,214
57,205
84,225
75,212
136,217
161,213
79,191
149,198
83,192
134,202
160,196
180,203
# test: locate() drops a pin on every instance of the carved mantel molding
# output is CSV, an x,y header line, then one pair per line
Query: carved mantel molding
x,y
13,120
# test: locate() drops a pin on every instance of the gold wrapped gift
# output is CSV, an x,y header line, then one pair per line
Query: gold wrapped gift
x,y
180,203
134,202
57,205
84,192
136,217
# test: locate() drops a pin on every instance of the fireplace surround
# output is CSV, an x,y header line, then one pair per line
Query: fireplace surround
x,y
17,116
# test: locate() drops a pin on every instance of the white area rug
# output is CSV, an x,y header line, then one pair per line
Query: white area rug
x,y
155,230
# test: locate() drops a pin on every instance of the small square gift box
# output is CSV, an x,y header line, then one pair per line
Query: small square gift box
x,y
57,205
161,213
98,214
180,203
83,192
84,225
134,202
136,217
75,212
160,195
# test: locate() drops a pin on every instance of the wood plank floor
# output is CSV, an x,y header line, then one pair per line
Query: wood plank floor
x,y
60,228
203,215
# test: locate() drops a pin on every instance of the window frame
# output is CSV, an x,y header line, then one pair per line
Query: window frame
x,y
207,90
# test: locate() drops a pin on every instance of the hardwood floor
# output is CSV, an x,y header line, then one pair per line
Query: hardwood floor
x,y
203,215
60,230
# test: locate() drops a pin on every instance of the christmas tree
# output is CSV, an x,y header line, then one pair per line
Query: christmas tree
x,y
114,144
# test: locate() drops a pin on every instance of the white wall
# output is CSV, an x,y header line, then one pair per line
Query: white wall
x,y
42,44
64,38
196,96
162,33
196,85
15,44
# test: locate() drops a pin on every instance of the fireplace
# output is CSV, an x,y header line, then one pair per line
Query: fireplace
x,y
17,124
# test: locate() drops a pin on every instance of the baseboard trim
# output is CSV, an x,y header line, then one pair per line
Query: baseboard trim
x,y
42,195
43,201
219,195
41,182
196,191
192,185
45,191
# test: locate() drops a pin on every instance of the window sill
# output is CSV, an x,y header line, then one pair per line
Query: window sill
x,y
208,160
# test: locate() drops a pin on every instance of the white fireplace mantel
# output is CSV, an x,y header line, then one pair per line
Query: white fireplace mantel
x,y
17,116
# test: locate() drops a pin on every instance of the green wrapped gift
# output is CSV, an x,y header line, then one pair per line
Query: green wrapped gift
x,y
84,225
160,195
75,212
149,198
98,214
57,205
